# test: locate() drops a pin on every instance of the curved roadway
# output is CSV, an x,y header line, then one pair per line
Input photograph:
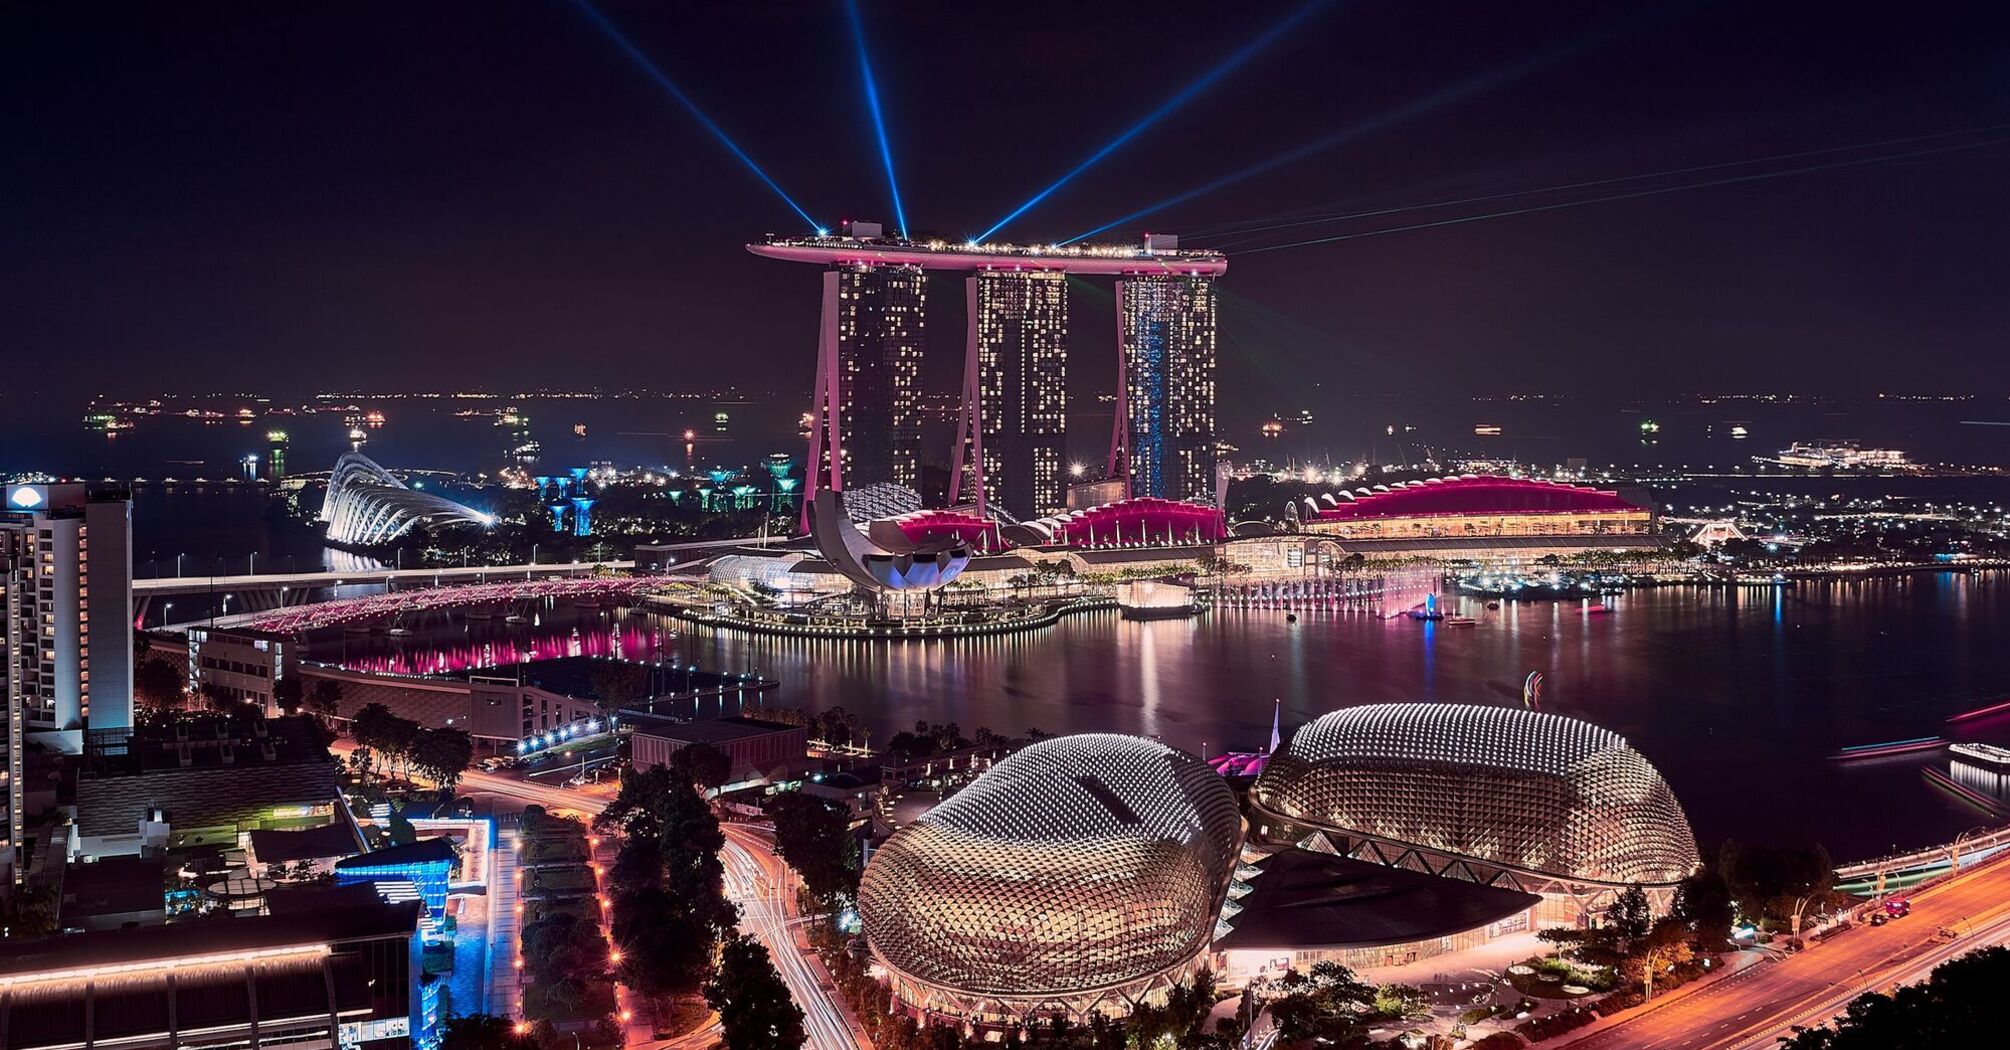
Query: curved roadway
x,y
1755,1007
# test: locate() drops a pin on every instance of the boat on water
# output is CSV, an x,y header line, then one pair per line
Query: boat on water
x,y
1461,621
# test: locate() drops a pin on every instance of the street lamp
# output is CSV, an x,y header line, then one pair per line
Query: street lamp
x,y
165,610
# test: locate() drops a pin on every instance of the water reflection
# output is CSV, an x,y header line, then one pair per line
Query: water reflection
x,y
1740,711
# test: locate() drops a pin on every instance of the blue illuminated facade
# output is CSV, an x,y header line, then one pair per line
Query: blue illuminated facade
x,y
1168,326
426,864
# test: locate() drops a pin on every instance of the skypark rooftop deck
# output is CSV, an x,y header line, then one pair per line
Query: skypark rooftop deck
x,y
1090,259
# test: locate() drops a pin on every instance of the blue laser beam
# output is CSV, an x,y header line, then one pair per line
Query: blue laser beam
x,y
878,118
663,81
1636,194
1245,230
1457,91
1179,98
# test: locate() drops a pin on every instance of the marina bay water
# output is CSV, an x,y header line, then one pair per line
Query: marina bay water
x,y
1739,695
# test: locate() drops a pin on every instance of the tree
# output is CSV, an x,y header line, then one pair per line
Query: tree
x,y
1630,913
755,1011
160,682
371,726
401,831
326,696
443,754
1665,945
1778,882
401,739
565,952
665,951
701,765
287,694
214,696
1959,1005
1703,901
616,684
1328,999
1560,937
814,836
484,1032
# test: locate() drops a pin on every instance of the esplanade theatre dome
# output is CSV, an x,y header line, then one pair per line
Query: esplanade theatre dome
x,y
1080,870
1539,794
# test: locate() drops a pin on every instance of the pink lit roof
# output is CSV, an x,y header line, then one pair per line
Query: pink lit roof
x,y
924,526
1144,519
1475,494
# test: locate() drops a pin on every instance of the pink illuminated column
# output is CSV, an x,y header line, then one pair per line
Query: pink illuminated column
x,y
1120,426
826,404
969,414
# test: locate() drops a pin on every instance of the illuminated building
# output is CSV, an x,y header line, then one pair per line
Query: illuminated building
x,y
868,375
1016,342
1842,455
1141,522
66,571
1505,797
760,751
244,663
204,781
345,972
1165,416
424,864
1077,876
275,455
1014,416
1476,516
366,506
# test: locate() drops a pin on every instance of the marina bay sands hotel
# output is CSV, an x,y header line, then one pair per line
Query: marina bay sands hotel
x,y
1011,431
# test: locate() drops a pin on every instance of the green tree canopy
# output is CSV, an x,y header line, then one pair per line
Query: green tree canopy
x,y
814,835
701,765
160,682
484,1032
755,1011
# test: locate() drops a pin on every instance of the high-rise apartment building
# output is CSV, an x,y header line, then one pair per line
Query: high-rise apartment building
x,y
66,571
1168,333
879,318
1020,388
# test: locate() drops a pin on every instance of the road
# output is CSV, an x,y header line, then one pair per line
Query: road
x,y
756,880
1754,1008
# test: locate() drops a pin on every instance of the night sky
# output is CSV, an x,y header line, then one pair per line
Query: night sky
x,y
298,196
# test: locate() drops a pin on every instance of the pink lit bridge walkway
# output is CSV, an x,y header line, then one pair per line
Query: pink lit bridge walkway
x,y
252,598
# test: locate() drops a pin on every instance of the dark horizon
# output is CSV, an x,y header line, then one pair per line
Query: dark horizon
x,y
288,199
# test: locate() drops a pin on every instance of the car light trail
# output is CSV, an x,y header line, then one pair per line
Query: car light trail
x,y
1178,99
878,117
663,81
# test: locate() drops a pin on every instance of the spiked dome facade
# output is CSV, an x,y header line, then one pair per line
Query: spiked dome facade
x,y
1502,796
1076,876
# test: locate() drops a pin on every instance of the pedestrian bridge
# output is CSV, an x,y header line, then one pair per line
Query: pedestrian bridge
x,y
295,581
1904,870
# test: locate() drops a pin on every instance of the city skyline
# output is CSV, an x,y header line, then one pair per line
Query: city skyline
x,y
1564,562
